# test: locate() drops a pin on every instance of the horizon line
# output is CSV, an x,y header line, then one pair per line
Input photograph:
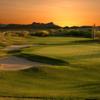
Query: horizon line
x,y
47,23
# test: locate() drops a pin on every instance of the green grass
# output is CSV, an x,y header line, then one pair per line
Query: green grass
x,y
70,67
50,81
54,40
16,40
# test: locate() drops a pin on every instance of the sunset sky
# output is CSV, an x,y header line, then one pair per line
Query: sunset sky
x,y
61,12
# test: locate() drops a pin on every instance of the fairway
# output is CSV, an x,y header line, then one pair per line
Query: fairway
x,y
70,67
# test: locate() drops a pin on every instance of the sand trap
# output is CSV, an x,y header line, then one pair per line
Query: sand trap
x,y
16,63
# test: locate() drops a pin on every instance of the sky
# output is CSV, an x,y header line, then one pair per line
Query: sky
x,y
61,12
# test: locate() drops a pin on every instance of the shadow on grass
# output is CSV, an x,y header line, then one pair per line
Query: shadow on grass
x,y
43,59
77,42
47,98
85,41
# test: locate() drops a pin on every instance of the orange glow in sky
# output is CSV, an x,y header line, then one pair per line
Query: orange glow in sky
x,y
61,12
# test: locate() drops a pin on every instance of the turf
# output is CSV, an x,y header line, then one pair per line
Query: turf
x,y
70,67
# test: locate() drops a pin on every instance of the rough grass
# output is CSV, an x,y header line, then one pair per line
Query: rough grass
x,y
50,81
78,78
2,53
11,40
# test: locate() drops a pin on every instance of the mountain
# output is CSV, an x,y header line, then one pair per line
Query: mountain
x,y
34,25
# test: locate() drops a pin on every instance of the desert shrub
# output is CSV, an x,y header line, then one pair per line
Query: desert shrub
x,y
59,32
22,34
97,34
77,33
43,33
73,33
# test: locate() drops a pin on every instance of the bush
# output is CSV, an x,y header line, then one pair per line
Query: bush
x,y
97,34
59,32
73,33
77,33
43,33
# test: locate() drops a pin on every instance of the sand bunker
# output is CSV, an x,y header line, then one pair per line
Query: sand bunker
x,y
16,63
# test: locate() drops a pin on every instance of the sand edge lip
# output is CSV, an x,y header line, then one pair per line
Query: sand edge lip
x,y
12,67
